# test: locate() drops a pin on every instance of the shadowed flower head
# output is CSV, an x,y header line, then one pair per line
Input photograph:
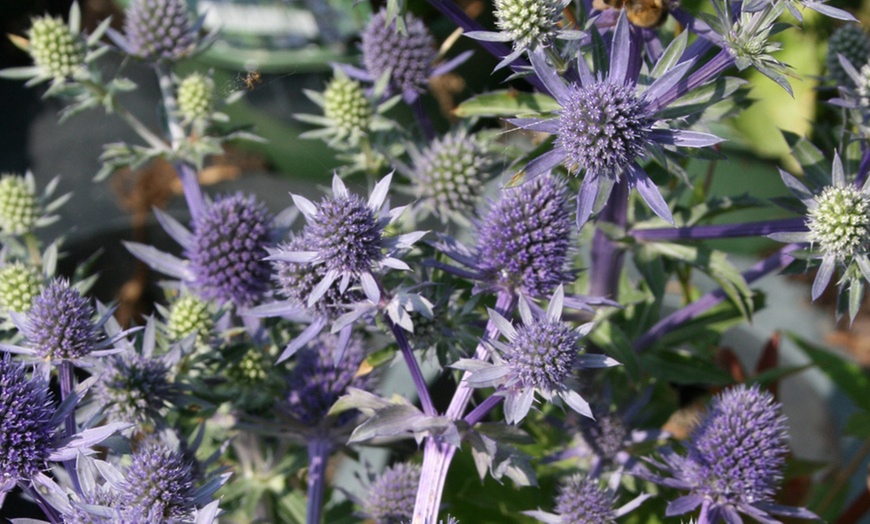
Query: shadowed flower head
x,y
540,355
59,325
852,42
160,481
159,30
228,247
134,388
318,380
408,56
734,461
391,497
523,243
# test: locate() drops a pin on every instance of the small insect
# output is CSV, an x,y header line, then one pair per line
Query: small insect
x,y
252,79
642,13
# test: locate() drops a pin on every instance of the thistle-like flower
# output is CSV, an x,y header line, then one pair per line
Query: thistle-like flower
x,y
59,324
135,388
734,461
582,500
21,209
188,315
605,125
541,355
55,47
390,498
853,43
158,31
528,24
19,285
838,231
196,97
161,481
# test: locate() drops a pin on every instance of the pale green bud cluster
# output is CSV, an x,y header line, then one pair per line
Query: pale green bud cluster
x,y
840,224
528,22
452,171
19,206
253,367
19,284
345,104
195,97
55,48
190,314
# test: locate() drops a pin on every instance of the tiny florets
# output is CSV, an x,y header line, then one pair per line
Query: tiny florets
x,y
852,42
55,48
195,97
603,127
581,500
19,207
840,223
187,315
26,431
160,481
229,248
863,87
317,380
528,22
605,434
407,56
451,172
19,285
59,323
543,354
159,30
345,103
391,497
346,234
134,388
524,240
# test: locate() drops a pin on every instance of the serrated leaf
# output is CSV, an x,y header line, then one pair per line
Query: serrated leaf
x,y
506,104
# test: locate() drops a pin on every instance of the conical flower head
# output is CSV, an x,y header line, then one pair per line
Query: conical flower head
x,y
839,223
345,103
603,126
160,481
58,325
346,233
228,248
19,285
19,207
134,388
55,48
195,97
451,172
391,497
407,56
523,244
738,450
581,500
159,30
27,432
190,314
317,379
853,43
529,22
543,354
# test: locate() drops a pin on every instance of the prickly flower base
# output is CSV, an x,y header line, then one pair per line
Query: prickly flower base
x,y
840,222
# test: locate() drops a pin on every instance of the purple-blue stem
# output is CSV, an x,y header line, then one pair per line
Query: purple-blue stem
x,y
66,374
482,409
319,448
186,172
775,262
496,49
423,119
437,455
413,367
863,167
747,229
607,256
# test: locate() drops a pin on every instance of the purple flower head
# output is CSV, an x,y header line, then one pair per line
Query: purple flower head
x,y
160,481
606,434
159,30
345,234
58,325
228,248
391,497
581,500
606,124
318,380
734,460
134,388
408,56
540,355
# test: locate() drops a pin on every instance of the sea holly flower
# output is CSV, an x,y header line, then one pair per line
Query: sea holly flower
x,y
852,42
406,57
582,500
158,31
196,97
734,461
819,6
30,435
188,315
606,124
19,285
541,355
390,499
225,251
528,24
22,209
838,231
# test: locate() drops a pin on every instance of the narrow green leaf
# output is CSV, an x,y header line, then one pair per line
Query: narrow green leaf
x,y
847,375
506,104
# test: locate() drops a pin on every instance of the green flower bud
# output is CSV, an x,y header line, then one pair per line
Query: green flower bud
x,y
190,314
840,224
345,104
55,48
19,207
19,284
195,97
